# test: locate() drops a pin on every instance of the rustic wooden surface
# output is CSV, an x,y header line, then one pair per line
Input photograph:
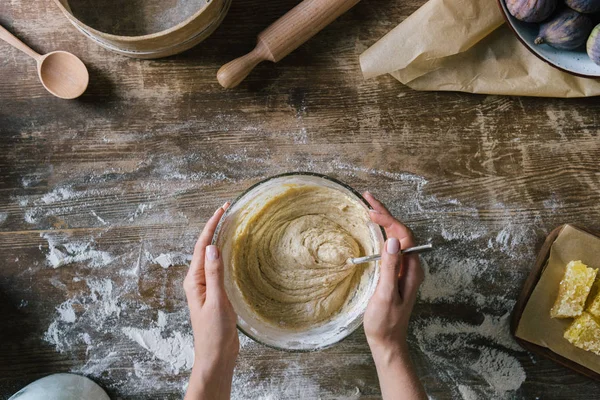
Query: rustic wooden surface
x,y
164,134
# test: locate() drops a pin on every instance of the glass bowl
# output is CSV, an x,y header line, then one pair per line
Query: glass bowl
x,y
325,334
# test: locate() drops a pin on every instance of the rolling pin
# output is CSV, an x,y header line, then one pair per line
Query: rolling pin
x,y
284,36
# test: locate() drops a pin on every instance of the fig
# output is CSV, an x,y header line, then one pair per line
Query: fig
x,y
566,31
593,45
531,10
584,6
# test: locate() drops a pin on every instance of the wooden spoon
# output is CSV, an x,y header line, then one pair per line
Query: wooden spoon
x,y
284,36
61,73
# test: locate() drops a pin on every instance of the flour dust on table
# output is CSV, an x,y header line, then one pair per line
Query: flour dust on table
x,y
128,296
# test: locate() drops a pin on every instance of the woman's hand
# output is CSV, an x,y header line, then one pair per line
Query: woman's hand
x,y
216,343
388,312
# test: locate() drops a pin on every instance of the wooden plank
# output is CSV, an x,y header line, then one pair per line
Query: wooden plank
x,y
134,168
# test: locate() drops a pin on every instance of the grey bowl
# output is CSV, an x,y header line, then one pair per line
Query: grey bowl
x,y
574,62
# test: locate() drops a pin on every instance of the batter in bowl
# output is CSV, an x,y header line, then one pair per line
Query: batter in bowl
x,y
290,260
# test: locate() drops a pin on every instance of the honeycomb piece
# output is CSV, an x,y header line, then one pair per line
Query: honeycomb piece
x,y
594,301
573,291
584,332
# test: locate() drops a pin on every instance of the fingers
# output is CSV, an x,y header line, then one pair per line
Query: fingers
x,y
195,275
389,270
410,279
408,275
393,228
376,204
209,229
213,267
205,239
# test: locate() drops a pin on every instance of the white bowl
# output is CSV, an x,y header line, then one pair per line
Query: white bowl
x,y
575,62
313,338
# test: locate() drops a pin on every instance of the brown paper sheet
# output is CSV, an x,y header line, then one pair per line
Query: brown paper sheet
x,y
535,325
464,45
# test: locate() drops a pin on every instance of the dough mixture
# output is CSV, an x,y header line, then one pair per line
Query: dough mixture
x,y
290,260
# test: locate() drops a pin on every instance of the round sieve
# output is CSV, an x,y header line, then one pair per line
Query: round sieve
x,y
145,28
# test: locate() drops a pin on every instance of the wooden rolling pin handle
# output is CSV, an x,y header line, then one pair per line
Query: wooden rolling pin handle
x,y
234,72
284,36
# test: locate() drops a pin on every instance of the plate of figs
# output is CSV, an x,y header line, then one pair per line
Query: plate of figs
x,y
564,33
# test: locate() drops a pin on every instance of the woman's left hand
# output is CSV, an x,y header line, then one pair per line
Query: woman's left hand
x,y
216,343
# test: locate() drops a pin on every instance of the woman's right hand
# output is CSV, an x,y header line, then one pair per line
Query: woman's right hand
x,y
388,312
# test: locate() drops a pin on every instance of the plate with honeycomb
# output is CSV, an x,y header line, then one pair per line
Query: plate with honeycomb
x,y
557,314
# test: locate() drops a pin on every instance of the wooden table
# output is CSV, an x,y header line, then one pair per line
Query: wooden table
x,y
134,168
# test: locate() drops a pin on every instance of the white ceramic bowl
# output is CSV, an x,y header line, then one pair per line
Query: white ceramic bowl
x,y
314,338
575,62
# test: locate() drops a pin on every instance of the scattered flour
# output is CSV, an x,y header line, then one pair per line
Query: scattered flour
x,y
451,279
511,236
101,293
63,252
59,194
494,329
453,234
162,319
553,204
300,136
467,393
99,305
169,259
102,221
3,217
502,371
28,181
487,348
63,200
95,366
403,177
290,383
245,341
66,312
139,211
472,267
177,350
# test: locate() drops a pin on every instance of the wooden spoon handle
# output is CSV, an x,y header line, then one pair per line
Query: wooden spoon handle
x,y
284,36
16,43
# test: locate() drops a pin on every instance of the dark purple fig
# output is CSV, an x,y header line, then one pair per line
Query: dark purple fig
x,y
593,45
584,6
531,10
567,30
